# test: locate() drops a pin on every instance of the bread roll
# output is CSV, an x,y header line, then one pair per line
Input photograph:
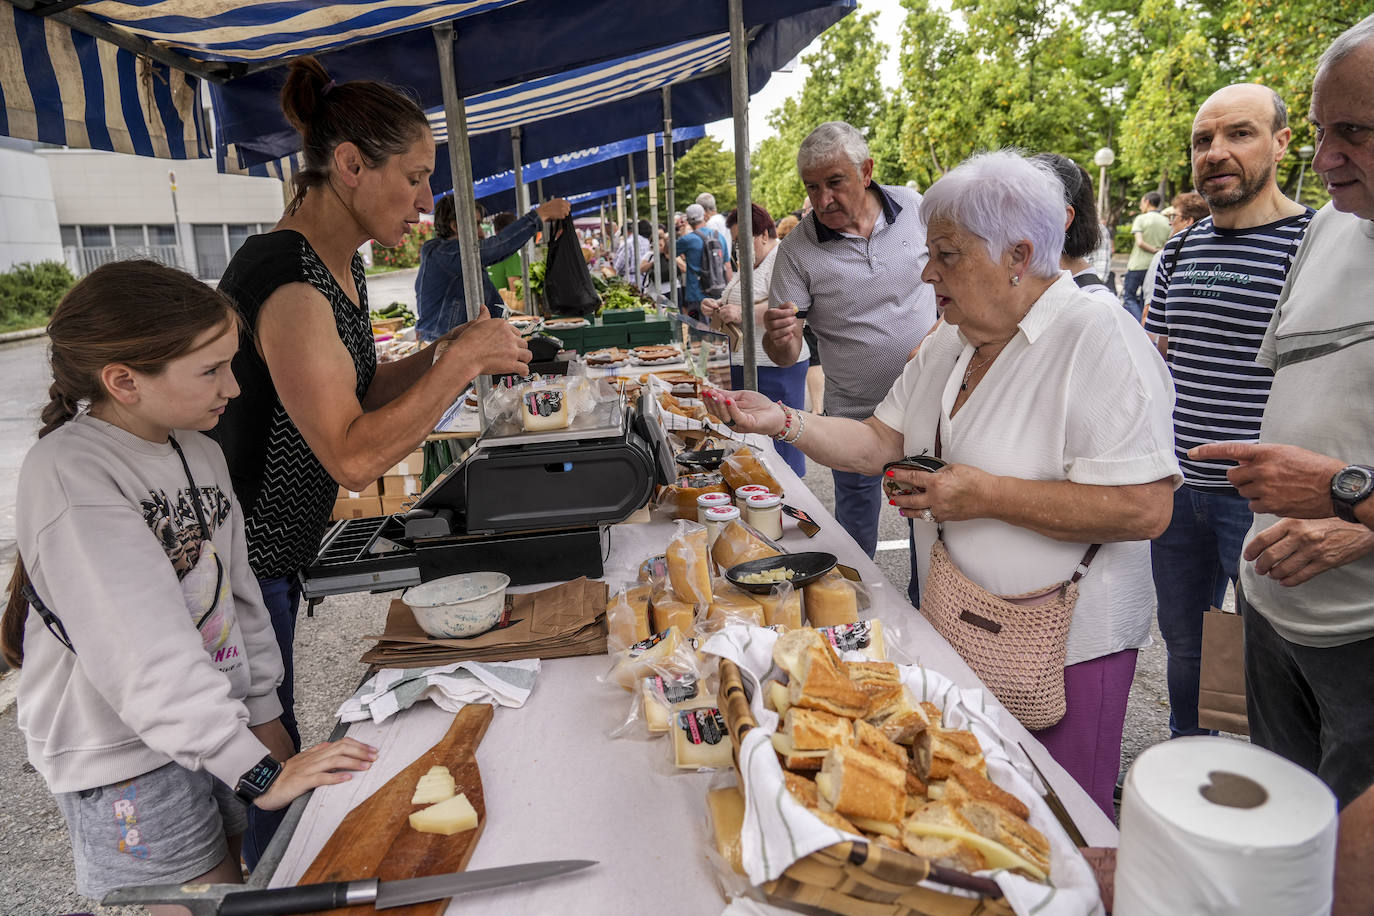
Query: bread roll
x,y
831,600
856,784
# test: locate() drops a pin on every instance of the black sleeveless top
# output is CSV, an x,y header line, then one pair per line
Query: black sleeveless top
x,y
286,494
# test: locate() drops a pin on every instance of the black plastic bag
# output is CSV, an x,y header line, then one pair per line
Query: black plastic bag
x,y
567,283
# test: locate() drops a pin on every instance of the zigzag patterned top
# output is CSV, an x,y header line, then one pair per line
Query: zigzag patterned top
x,y
286,493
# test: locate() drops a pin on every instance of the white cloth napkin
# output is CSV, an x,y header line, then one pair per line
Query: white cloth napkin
x,y
778,830
450,686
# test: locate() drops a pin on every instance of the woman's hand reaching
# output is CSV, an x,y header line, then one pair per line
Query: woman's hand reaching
x,y
745,411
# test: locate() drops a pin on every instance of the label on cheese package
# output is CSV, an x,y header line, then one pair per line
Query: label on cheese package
x,y
700,739
850,637
676,689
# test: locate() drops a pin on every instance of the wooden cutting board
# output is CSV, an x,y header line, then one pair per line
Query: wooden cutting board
x,y
375,840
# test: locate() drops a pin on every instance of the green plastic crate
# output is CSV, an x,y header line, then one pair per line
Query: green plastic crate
x,y
622,316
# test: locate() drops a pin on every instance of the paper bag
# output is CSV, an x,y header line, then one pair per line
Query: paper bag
x,y
1221,692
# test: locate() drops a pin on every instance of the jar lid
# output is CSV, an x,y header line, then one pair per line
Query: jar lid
x,y
764,501
722,513
751,488
706,499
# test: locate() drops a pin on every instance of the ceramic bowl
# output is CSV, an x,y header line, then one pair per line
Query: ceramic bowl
x,y
458,606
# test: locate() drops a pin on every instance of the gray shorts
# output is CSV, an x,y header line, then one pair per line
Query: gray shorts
x,y
164,827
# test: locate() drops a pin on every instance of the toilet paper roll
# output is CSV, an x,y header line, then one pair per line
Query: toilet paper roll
x,y
1218,826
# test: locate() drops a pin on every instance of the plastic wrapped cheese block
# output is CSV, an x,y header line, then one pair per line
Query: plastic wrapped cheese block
x,y
627,617
726,807
658,652
732,605
700,739
666,611
782,607
682,495
544,405
744,467
831,600
689,567
864,636
738,543
662,695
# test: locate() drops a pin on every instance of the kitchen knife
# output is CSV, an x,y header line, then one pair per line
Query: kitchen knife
x,y
311,898
1056,804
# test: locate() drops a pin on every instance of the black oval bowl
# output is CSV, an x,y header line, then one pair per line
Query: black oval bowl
x,y
806,568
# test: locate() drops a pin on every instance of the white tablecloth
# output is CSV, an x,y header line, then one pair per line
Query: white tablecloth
x,y
557,787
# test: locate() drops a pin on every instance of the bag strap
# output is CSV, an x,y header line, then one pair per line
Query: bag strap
x,y
1085,280
1089,555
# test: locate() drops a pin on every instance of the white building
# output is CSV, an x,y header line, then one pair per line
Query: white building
x,y
28,215
112,206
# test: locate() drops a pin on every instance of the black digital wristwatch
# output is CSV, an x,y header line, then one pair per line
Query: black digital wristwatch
x,y
258,780
1350,487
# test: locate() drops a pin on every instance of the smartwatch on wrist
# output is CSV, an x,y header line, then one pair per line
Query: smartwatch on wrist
x,y
1350,487
258,780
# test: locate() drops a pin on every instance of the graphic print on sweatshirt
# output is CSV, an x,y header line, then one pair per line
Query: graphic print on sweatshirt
x,y
204,581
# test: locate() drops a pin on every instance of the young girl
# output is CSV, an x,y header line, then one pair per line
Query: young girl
x,y
149,699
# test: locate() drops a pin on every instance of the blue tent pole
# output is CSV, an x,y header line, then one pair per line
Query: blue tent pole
x,y
739,91
464,199
668,194
522,206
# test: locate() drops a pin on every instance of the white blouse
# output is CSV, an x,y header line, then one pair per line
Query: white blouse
x,y
1080,394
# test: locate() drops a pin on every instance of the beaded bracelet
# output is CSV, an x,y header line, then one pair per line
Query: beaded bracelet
x,y
781,435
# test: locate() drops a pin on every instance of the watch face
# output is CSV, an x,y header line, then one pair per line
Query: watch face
x,y
261,776
1351,482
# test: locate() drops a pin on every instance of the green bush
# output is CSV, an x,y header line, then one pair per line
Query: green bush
x,y
406,254
30,292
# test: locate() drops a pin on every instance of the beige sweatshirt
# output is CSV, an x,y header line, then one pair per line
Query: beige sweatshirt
x,y
114,548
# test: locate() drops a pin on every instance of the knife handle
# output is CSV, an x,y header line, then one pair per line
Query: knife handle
x,y
308,898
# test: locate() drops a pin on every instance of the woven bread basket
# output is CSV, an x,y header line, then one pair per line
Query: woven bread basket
x,y
856,878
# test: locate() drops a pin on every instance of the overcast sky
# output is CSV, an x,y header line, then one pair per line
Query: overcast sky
x,y
783,85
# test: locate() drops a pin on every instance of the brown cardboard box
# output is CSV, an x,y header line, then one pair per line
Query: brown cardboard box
x,y
394,504
369,490
357,507
413,465
393,485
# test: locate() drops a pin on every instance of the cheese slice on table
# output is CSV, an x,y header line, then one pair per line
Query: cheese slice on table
x,y
783,612
700,739
448,817
831,600
627,616
727,820
435,786
645,657
662,695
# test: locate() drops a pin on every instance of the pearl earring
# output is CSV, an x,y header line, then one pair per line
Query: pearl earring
x,y
1015,280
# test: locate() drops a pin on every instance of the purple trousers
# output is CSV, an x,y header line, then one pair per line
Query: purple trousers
x,y
1087,741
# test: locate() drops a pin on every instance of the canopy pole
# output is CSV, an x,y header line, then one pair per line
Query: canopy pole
x,y
522,205
619,209
634,218
653,221
464,199
605,236
668,194
739,92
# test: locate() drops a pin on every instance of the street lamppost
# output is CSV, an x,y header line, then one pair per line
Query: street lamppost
x,y
176,216
1103,158
1305,154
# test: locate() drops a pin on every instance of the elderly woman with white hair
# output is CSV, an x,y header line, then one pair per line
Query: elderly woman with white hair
x,y
1051,422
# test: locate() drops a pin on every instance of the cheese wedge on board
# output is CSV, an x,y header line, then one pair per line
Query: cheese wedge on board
x,y
435,786
448,817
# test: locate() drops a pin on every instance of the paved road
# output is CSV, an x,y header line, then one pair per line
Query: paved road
x,y
37,879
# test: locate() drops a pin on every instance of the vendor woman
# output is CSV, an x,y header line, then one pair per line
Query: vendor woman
x,y
317,412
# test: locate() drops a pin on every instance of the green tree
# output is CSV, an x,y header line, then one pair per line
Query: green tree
x,y
842,84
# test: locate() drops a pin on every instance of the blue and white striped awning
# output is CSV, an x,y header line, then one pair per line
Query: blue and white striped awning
x,y
61,86
588,87
250,31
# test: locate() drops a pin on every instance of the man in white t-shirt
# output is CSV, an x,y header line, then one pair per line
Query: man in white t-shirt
x,y
1308,585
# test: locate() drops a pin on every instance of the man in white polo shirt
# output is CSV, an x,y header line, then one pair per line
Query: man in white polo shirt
x,y
852,271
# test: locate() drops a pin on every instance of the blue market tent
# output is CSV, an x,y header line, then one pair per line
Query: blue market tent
x,y
573,174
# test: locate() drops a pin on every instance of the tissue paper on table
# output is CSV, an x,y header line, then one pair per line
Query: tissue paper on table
x,y
450,686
